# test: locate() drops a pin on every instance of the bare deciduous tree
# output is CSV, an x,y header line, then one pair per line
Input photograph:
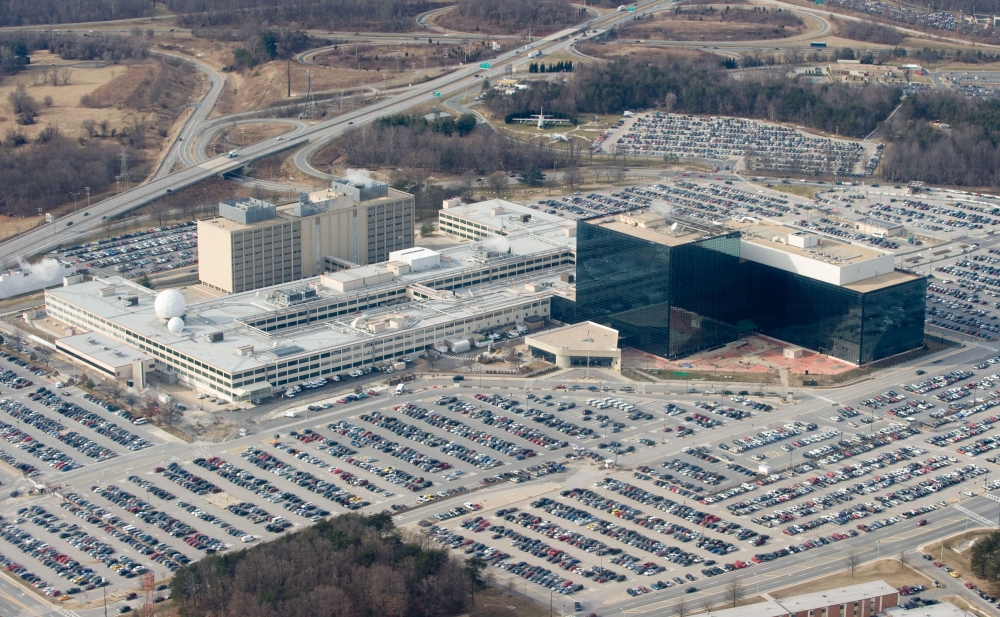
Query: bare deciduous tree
x,y
735,591
572,177
64,74
852,561
902,560
680,608
114,389
497,182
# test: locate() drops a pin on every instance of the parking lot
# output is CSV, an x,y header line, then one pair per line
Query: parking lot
x,y
138,253
516,477
765,147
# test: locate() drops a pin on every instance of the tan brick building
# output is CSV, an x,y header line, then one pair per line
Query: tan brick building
x,y
253,244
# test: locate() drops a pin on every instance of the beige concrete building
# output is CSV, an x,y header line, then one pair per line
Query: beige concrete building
x,y
253,244
582,344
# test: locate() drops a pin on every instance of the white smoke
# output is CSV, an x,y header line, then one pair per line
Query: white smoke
x,y
496,244
32,277
359,176
662,208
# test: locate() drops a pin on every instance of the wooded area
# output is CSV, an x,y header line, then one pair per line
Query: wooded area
x,y
696,87
869,31
370,15
26,13
966,153
40,175
348,566
482,150
985,560
516,15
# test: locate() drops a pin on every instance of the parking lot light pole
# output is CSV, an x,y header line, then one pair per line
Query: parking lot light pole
x,y
591,341
551,591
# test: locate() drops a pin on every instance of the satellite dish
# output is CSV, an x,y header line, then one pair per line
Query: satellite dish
x,y
673,227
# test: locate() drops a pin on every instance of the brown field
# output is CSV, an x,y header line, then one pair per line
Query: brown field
x,y
887,570
11,226
617,50
243,135
266,84
281,168
709,23
452,20
66,112
405,57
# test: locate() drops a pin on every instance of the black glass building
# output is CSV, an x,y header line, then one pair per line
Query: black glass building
x,y
666,291
859,323
676,290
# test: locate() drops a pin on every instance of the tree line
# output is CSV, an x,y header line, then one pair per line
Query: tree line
x,y
563,66
985,560
418,146
26,13
702,87
447,125
348,566
516,15
380,15
41,174
966,152
869,31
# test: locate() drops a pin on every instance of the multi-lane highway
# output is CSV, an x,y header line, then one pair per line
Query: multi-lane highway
x,y
69,229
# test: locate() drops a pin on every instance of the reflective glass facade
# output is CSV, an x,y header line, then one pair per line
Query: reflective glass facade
x,y
893,320
806,312
668,300
675,300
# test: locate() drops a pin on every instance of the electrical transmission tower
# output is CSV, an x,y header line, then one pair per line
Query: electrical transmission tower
x,y
149,608
309,95
123,174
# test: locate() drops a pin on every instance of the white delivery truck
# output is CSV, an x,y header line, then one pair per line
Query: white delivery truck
x,y
400,389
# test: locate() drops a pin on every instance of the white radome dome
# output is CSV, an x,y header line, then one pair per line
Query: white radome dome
x,y
175,325
169,303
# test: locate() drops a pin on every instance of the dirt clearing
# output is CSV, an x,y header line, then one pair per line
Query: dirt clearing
x,y
616,50
406,56
710,23
243,135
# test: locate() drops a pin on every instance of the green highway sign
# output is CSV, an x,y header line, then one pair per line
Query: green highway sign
x,y
436,93
631,9
484,65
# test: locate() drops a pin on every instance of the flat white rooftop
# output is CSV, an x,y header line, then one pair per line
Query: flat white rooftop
x,y
944,609
502,214
227,315
103,349
573,337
